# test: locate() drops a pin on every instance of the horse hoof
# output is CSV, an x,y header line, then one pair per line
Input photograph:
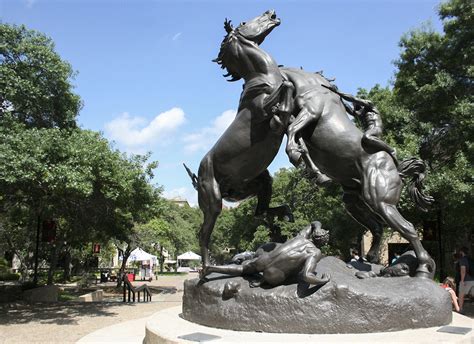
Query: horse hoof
x,y
322,180
426,270
424,273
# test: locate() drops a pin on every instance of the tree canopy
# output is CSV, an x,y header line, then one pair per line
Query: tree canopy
x,y
35,82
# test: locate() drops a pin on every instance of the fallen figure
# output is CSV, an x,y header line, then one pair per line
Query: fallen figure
x,y
279,262
405,265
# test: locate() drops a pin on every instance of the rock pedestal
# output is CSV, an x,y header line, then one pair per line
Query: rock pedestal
x,y
47,293
344,305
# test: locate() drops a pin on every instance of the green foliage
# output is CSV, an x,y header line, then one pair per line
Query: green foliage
x,y
238,229
435,82
435,74
9,276
35,82
3,265
312,203
173,228
73,176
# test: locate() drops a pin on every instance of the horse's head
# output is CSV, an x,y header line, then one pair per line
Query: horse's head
x,y
258,28
248,34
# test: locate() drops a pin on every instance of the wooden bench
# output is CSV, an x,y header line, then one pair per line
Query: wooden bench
x,y
131,290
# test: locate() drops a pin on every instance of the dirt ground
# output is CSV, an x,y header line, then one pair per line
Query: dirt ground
x,y
67,322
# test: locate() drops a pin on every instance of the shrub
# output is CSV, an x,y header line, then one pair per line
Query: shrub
x,y
3,265
9,276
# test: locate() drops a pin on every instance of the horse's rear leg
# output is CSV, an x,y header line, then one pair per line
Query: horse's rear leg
x,y
262,187
360,212
293,149
210,202
296,147
381,191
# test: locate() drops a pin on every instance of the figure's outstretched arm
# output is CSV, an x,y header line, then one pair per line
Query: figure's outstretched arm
x,y
231,269
309,271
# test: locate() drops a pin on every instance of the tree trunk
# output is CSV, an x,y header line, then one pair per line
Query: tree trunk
x,y
439,220
53,261
38,224
121,273
67,266
162,259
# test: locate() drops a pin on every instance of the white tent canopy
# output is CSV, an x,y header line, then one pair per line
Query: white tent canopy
x,y
139,255
189,256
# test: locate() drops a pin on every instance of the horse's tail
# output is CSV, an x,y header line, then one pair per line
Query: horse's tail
x,y
191,175
415,168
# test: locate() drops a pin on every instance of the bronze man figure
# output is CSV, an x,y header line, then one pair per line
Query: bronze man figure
x,y
286,260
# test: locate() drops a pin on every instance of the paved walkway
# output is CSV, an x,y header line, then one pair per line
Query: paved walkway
x,y
67,322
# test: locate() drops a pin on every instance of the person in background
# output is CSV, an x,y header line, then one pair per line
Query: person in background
x,y
448,285
355,256
466,281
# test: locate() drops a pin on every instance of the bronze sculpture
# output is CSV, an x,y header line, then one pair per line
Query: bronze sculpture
x,y
277,100
236,167
283,261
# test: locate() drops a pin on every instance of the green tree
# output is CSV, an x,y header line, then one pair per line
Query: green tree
x,y
35,82
74,177
435,82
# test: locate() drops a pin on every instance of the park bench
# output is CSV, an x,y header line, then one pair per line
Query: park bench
x,y
129,289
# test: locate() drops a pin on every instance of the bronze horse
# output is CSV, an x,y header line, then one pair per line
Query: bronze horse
x,y
236,167
372,182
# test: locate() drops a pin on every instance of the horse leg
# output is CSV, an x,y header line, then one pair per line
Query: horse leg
x,y
360,212
381,191
210,202
297,150
293,149
264,194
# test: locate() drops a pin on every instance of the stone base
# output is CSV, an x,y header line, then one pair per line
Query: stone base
x,y
47,293
344,305
95,296
167,326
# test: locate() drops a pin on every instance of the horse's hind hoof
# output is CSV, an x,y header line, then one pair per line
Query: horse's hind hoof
x,y
426,270
423,274
323,180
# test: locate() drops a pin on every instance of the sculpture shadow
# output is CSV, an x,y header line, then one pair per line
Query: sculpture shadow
x,y
360,265
303,289
59,313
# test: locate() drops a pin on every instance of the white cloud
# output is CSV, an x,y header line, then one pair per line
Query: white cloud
x,y
176,36
136,132
30,3
206,137
188,194
191,196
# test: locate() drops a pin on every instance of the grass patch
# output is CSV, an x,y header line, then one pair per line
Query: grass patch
x,y
65,295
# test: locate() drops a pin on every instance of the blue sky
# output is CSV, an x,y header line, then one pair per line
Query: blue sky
x,y
145,73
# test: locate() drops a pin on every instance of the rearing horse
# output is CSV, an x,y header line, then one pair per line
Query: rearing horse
x,y
372,182
236,166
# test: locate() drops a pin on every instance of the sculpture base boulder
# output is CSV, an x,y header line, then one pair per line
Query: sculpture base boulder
x,y
344,305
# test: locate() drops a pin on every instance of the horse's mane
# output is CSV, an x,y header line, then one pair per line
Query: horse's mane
x,y
223,57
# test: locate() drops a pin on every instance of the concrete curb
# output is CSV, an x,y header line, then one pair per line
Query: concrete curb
x,y
167,325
